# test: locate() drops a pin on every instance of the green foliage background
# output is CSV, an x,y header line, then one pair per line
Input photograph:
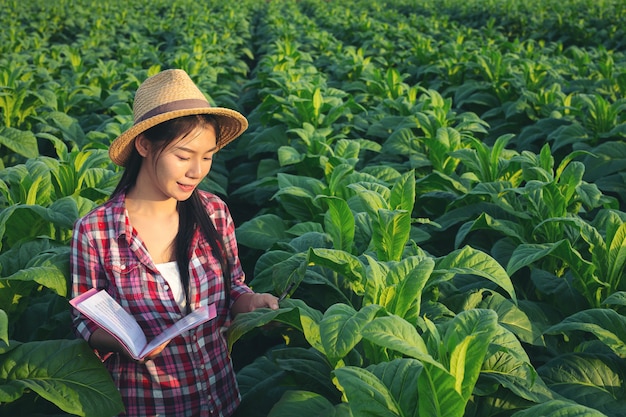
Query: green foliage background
x,y
443,183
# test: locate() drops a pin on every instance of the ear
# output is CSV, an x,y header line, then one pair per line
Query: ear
x,y
142,145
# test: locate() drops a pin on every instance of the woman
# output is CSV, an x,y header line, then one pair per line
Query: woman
x,y
163,248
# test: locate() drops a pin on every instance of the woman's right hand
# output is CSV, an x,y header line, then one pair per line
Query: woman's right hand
x,y
104,342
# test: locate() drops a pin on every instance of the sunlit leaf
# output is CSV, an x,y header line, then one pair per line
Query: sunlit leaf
x,y
65,372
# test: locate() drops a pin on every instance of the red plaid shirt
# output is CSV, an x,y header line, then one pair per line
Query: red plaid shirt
x,y
194,375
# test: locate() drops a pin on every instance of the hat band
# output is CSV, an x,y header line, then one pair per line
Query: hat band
x,y
190,103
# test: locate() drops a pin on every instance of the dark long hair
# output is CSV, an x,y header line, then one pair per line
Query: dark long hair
x,y
191,213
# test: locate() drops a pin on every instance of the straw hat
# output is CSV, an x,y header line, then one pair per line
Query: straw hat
x,y
168,95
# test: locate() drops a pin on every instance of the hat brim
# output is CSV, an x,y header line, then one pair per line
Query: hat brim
x,y
232,124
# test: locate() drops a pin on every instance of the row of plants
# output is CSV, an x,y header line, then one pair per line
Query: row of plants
x,y
474,200
444,192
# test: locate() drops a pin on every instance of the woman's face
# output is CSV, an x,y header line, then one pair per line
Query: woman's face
x,y
177,170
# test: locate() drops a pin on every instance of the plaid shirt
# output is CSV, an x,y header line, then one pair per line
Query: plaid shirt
x,y
194,375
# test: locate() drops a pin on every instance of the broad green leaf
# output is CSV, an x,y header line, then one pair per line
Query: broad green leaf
x,y
617,255
349,149
403,193
307,404
343,263
546,159
497,152
528,329
275,270
318,101
245,322
570,179
59,146
63,212
39,191
311,240
339,223
70,128
587,282
559,408
437,181
400,376
408,279
340,329
261,232
362,232
437,394
288,155
311,186
508,228
466,339
45,317
472,261
264,277
22,221
66,178
607,158
298,203
102,178
395,333
376,288
21,255
305,227
401,141
19,141
391,231
551,202
261,384
508,364
593,380
257,191
308,367
606,324
370,200
366,394
84,205
617,298
267,140
48,276
291,270
293,313
338,179
473,92
64,372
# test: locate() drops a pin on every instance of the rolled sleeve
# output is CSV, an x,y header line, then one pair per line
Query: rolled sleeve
x,y
225,226
238,286
86,273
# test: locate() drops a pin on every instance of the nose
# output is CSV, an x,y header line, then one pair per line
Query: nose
x,y
195,169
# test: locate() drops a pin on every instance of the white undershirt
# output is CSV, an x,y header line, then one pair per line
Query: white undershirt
x,y
170,272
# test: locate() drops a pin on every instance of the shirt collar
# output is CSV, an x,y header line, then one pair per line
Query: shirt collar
x,y
121,224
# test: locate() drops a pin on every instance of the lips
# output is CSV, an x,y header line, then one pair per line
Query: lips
x,y
186,187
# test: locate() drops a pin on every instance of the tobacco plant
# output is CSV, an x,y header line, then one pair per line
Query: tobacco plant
x,y
438,187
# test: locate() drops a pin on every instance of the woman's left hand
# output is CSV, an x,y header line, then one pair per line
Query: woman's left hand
x,y
251,301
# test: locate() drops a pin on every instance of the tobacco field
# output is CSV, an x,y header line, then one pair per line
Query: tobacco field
x,y
441,185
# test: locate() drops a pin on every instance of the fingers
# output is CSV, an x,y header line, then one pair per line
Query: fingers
x,y
273,302
261,300
268,300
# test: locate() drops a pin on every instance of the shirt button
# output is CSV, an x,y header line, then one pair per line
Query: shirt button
x,y
166,287
123,267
